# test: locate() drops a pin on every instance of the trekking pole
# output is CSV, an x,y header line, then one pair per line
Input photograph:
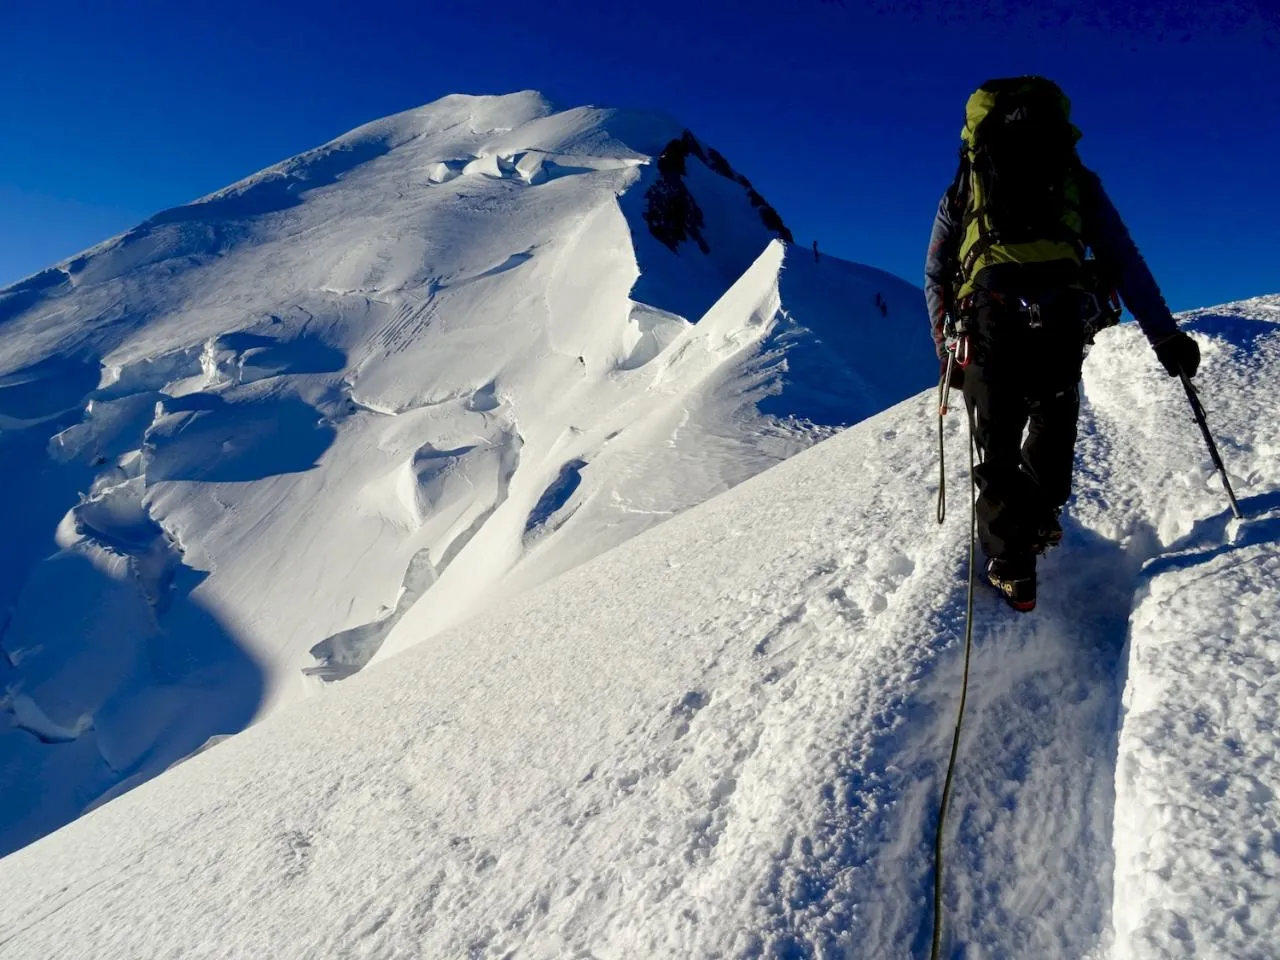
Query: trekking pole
x,y
957,355
1196,408
944,398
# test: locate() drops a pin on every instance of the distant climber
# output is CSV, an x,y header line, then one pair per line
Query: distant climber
x,y
882,305
1009,291
815,251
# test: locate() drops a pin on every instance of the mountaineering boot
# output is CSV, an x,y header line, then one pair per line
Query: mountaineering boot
x,y
1015,580
1048,532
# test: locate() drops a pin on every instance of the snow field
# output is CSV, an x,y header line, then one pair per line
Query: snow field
x,y
657,750
726,736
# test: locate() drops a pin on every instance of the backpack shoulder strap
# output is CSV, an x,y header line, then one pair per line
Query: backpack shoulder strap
x,y
958,192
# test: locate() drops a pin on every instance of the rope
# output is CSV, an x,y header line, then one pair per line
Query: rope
x,y
935,953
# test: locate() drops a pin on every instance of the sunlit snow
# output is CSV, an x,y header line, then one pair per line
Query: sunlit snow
x,y
648,677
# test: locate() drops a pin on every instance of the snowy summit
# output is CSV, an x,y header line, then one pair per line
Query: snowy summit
x,y
449,456
360,396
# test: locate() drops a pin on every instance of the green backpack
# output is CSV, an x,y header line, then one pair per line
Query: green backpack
x,y
1020,193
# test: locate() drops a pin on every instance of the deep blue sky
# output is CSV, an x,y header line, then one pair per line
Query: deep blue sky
x,y
845,115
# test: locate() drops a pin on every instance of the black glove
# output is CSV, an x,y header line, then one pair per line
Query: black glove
x,y
1179,354
957,374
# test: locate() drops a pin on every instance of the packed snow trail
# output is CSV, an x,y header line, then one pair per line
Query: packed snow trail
x,y
1122,870
725,738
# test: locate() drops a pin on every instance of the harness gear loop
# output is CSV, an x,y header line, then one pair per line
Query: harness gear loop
x,y
1032,311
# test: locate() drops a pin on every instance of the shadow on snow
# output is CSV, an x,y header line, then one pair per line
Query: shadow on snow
x,y
206,437
1209,538
127,688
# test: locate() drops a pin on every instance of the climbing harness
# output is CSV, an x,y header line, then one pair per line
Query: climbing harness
x,y
935,953
1100,312
1194,396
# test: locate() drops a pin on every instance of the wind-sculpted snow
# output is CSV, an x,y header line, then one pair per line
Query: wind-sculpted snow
x,y
43,390
369,392
725,737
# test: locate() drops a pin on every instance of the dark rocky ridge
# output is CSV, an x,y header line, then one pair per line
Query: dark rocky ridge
x,y
672,213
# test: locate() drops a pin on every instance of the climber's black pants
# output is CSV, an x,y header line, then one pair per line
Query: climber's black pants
x,y
1023,377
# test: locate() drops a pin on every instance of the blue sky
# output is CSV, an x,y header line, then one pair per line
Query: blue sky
x,y
845,115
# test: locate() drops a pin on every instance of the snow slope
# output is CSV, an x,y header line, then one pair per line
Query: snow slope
x,y
725,737
366,393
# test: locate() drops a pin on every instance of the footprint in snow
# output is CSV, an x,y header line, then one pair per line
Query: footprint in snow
x,y
686,709
297,853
